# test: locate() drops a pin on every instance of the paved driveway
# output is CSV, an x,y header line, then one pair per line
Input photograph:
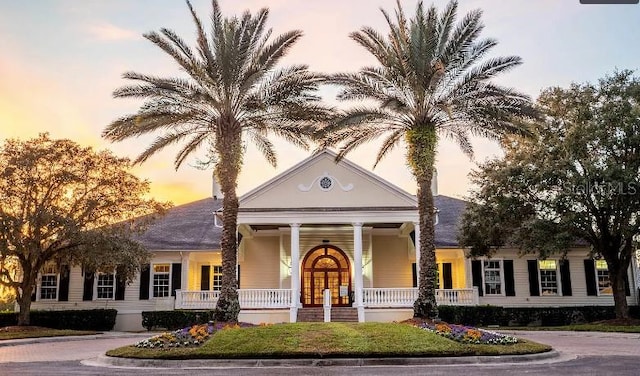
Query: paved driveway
x,y
582,354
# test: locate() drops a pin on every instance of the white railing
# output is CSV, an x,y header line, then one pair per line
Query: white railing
x,y
281,298
458,296
264,298
249,298
405,297
389,297
196,299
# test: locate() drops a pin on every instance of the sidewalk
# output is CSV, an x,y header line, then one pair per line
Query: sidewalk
x,y
27,341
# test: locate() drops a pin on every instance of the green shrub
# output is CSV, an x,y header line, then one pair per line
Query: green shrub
x,y
528,316
87,319
172,320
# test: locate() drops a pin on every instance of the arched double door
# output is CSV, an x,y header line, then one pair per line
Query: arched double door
x,y
326,267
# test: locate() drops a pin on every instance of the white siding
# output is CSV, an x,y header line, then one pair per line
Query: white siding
x,y
578,297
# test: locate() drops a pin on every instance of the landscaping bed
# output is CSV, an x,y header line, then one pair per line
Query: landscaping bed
x,y
320,340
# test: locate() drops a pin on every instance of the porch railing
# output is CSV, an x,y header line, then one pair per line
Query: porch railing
x,y
264,298
405,297
281,298
249,298
196,299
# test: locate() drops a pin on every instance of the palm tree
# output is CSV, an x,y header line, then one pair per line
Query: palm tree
x,y
231,92
430,83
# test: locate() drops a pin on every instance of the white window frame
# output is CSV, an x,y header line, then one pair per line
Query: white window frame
x,y
113,288
213,277
152,281
558,278
43,272
484,285
597,277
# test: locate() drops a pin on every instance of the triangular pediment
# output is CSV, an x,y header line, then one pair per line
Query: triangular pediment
x,y
320,182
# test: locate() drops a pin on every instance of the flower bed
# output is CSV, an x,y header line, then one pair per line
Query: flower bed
x,y
192,336
466,334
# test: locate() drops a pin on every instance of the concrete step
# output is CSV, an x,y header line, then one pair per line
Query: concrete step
x,y
338,314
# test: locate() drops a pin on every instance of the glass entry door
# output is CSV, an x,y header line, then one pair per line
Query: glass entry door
x,y
326,267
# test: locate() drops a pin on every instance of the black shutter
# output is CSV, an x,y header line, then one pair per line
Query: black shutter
x,y
590,277
121,284
534,284
476,273
176,278
63,291
627,291
565,278
446,275
412,235
205,277
34,292
145,276
414,275
509,280
87,293
238,275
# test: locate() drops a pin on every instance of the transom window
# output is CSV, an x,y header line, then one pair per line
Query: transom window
x,y
604,282
161,280
548,277
49,283
217,277
105,285
492,277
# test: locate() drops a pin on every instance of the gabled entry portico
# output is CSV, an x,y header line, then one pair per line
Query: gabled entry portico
x,y
330,211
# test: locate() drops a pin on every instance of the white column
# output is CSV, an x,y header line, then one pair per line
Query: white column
x,y
416,229
184,277
295,271
357,259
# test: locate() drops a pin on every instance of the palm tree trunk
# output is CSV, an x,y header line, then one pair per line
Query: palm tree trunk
x,y
421,155
229,149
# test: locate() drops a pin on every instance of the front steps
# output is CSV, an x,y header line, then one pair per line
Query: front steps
x,y
338,314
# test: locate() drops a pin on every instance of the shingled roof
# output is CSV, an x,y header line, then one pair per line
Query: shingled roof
x,y
449,214
185,227
191,227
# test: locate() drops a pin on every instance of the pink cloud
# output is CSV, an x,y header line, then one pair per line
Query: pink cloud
x,y
108,32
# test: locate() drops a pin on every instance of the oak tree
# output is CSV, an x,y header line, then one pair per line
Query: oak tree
x,y
65,204
578,183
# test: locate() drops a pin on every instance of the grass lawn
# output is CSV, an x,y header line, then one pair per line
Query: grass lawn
x,y
19,332
317,340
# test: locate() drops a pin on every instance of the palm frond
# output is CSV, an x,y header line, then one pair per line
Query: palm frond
x,y
263,145
191,146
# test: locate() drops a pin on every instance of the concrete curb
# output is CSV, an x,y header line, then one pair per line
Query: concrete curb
x,y
29,341
107,361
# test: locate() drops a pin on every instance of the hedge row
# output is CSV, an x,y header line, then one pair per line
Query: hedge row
x,y
172,320
87,319
530,316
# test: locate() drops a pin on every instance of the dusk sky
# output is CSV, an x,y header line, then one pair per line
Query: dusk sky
x,y
61,61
